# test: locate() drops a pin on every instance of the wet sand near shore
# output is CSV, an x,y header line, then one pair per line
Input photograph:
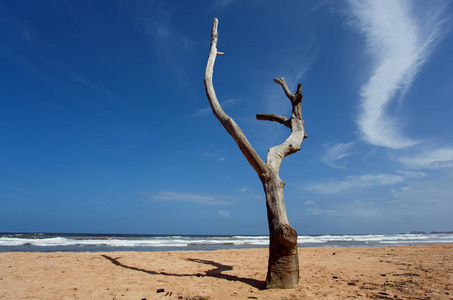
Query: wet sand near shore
x,y
409,272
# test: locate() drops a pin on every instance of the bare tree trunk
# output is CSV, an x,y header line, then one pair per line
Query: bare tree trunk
x,y
283,267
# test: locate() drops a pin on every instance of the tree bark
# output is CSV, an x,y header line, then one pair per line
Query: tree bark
x,y
283,266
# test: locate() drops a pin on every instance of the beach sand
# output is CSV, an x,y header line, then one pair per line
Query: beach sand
x,y
413,272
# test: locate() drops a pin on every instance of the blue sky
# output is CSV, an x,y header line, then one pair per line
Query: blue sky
x,y
105,126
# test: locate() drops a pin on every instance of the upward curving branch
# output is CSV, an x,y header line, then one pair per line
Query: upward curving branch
x,y
292,97
292,144
295,123
230,125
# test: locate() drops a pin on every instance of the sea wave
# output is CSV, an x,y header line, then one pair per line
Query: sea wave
x,y
97,242
122,241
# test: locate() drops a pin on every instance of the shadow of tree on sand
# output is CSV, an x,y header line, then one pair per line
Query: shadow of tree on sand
x,y
216,272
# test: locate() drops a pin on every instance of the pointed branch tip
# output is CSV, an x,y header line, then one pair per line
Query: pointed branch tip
x,y
214,26
279,80
299,88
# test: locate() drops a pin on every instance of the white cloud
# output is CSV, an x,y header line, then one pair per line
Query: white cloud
x,y
411,174
319,211
219,6
400,44
244,189
355,182
157,23
435,159
224,213
201,112
8,197
300,73
427,200
212,154
349,210
190,197
335,153
200,198
406,188
207,110
360,209
309,202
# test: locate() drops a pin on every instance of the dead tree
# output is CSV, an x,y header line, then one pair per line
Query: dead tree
x,y
283,268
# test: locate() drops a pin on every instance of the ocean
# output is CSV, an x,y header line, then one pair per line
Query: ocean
x,y
55,242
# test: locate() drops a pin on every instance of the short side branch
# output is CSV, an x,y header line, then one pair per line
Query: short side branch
x,y
297,97
274,118
281,81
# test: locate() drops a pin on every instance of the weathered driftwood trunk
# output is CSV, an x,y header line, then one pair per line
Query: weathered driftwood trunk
x,y
283,268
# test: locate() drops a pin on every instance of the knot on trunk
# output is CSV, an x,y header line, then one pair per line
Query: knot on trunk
x,y
287,236
283,268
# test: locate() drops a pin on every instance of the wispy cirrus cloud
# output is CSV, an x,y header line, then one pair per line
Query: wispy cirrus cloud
x,y
212,154
219,6
157,23
244,189
54,72
430,200
411,174
350,209
355,182
318,211
200,198
400,43
207,110
335,153
434,159
224,213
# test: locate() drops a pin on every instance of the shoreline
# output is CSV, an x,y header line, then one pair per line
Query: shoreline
x,y
196,249
81,242
421,271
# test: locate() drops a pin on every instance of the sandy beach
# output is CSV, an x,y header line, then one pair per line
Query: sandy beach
x,y
412,272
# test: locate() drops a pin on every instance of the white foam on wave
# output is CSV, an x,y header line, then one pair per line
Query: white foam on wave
x,y
177,241
174,241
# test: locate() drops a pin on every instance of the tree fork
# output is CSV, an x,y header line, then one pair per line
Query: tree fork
x,y
283,267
